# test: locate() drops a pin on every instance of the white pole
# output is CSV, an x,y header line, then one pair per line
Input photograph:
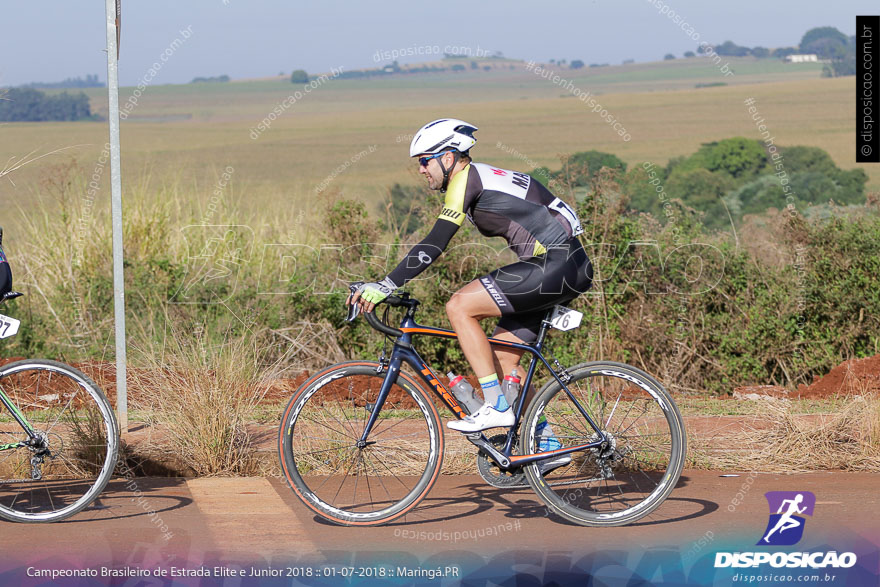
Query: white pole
x,y
116,206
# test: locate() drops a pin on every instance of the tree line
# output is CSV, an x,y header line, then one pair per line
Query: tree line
x,y
723,181
827,43
30,105
90,81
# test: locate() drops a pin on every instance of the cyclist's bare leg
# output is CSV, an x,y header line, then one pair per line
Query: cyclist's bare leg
x,y
506,358
459,310
465,309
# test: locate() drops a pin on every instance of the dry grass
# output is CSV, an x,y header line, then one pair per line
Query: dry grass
x,y
847,440
320,432
850,440
201,398
461,456
313,344
90,438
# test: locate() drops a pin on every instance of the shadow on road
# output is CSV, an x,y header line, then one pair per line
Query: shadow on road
x,y
469,500
123,498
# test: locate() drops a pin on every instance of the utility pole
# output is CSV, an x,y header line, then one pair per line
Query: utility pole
x,y
114,15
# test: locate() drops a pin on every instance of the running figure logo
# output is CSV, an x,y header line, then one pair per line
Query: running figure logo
x,y
786,526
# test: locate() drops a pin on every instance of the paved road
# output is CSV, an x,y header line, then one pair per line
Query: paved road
x,y
157,522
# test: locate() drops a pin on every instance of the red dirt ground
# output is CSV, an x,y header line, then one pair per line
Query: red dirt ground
x,y
853,377
858,376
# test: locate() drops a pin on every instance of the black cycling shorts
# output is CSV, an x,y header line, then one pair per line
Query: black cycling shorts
x,y
525,290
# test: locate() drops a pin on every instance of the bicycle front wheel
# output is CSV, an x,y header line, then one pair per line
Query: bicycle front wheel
x,y
360,483
636,469
68,461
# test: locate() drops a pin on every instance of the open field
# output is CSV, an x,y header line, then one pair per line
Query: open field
x,y
187,134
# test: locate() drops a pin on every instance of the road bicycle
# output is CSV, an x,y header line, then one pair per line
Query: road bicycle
x,y
361,442
58,437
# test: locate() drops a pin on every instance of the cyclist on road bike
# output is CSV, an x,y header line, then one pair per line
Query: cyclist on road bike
x,y
541,229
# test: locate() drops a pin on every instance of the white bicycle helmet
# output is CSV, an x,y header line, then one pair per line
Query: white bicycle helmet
x,y
442,134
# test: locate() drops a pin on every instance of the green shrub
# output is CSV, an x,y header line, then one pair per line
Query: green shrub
x,y
738,157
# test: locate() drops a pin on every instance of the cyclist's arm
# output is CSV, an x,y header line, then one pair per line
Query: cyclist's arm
x,y
458,198
423,254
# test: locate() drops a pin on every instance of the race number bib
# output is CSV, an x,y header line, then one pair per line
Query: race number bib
x,y
8,326
565,319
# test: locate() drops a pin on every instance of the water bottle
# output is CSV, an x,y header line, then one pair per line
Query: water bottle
x,y
464,392
511,386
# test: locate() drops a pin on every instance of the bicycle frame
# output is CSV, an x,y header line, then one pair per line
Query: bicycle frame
x,y
4,399
403,351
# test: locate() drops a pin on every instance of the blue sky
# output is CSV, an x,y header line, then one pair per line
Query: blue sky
x,y
55,39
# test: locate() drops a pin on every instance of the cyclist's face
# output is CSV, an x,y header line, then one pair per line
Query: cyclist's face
x,y
433,172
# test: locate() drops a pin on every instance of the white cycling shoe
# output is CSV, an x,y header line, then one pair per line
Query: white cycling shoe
x,y
484,418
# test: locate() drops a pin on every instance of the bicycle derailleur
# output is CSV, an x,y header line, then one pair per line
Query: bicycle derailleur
x,y
40,448
606,454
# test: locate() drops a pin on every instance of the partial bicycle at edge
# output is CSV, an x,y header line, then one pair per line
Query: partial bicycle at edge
x,y
58,434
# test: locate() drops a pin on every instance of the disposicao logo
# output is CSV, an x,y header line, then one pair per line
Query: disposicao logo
x,y
786,525
785,528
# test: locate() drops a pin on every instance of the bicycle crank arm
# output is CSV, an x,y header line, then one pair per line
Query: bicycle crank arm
x,y
480,441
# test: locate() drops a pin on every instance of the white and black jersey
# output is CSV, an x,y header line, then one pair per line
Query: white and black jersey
x,y
499,202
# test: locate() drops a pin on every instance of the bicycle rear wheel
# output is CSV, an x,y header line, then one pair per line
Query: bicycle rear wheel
x,y
634,473
354,483
63,470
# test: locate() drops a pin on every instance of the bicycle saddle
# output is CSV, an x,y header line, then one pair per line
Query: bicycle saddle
x,y
11,295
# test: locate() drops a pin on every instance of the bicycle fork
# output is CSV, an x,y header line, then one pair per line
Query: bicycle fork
x,y
403,352
393,371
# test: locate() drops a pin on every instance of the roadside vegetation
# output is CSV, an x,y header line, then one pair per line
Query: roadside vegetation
x,y
781,439
778,298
